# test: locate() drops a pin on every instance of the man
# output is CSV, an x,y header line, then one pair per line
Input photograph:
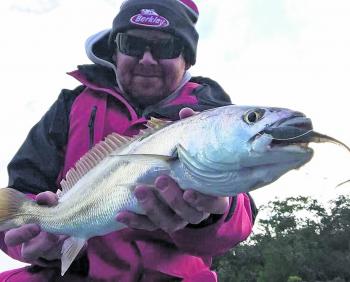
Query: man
x,y
139,71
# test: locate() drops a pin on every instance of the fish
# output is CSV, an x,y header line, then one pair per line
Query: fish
x,y
220,152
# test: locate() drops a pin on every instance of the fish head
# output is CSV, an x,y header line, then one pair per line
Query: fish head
x,y
282,137
249,136
234,149
256,145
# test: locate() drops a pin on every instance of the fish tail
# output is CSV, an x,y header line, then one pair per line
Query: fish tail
x,y
12,208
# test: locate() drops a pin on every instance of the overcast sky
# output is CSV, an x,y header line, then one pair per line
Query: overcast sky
x,y
286,53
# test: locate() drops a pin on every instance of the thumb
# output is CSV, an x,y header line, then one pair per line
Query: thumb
x,y
186,112
47,198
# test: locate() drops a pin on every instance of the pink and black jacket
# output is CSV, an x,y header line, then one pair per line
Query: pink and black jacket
x,y
84,116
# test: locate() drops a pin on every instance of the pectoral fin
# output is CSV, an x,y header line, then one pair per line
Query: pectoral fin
x,y
200,170
70,249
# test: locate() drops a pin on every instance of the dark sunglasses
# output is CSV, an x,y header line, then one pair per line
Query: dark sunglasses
x,y
160,48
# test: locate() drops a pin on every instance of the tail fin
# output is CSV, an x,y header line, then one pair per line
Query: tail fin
x,y
11,208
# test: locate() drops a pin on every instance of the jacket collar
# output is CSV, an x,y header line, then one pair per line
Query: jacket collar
x,y
103,79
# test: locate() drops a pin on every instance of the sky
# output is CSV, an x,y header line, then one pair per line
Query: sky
x,y
285,53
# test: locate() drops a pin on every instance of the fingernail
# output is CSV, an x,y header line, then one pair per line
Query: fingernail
x,y
34,229
190,196
122,219
162,183
140,194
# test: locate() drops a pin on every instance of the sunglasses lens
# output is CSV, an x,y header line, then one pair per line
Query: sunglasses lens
x,y
167,49
130,45
160,49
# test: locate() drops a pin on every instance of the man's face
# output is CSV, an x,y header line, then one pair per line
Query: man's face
x,y
146,78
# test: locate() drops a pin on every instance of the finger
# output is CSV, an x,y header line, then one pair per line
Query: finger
x,y
172,194
47,198
22,234
44,245
54,251
186,112
157,212
210,204
136,221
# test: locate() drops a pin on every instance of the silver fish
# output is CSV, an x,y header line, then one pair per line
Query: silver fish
x,y
220,152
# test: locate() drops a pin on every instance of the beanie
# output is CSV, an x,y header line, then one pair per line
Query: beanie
x,y
177,17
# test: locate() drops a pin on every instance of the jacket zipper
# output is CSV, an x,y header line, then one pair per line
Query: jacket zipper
x,y
91,126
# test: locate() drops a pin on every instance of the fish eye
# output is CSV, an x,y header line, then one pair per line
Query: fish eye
x,y
253,116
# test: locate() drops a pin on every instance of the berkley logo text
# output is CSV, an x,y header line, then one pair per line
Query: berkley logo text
x,y
149,17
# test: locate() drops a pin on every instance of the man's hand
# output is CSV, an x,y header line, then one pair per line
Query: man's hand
x,y
170,208
38,247
186,112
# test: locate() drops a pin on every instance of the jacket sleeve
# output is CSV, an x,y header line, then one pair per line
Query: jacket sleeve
x,y
226,232
36,165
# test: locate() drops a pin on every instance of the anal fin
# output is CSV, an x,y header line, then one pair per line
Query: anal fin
x,y
70,249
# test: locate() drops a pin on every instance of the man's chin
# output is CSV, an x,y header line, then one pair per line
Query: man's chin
x,y
147,96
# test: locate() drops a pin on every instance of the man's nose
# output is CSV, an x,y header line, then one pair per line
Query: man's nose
x,y
147,58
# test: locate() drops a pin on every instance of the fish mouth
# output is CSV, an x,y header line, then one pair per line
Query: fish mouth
x,y
294,134
296,131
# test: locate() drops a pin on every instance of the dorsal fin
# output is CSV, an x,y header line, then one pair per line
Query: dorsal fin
x,y
153,125
156,123
114,142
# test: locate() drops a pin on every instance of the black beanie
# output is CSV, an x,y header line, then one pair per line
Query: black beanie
x,y
177,17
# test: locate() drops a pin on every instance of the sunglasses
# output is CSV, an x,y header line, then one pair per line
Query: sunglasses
x,y
160,48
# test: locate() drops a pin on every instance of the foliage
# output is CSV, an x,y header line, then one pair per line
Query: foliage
x,y
300,240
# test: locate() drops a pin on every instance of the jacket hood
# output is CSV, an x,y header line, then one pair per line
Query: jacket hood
x,y
98,51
